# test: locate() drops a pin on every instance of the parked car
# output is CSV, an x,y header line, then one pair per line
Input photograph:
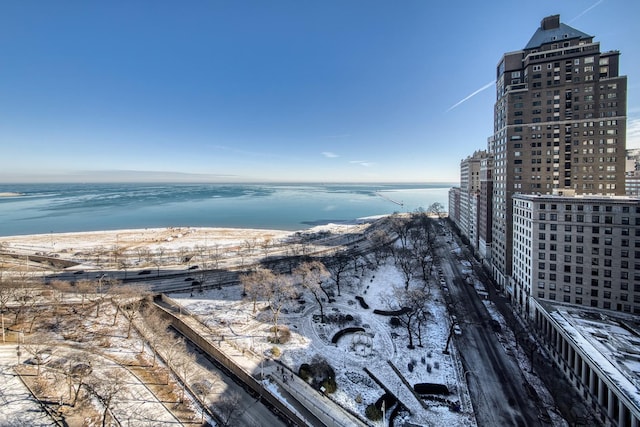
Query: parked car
x,y
457,330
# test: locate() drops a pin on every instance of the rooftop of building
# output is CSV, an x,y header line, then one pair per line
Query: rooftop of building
x,y
569,195
551,30
610,339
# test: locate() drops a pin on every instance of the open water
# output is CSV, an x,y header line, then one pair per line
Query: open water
x,y
56,208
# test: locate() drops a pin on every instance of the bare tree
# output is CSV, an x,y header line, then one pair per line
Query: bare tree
x,y
185,255
143,253
59,288
39,349
338,265
83,287
157,259
421,248
154,328
436,208
78,369
278,292
405,261
229,408
266,246
184,366
172,348
410,303
117,253
123,295
311,275
6,295
401,227
250,245
100,294
131,309
254,283
215,254
380,241
106,389
24,297
202,389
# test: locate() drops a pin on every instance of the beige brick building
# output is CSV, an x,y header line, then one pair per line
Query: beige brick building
x,y
559,123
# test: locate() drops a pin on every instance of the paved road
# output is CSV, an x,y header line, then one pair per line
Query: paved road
x,y
251,411
495,381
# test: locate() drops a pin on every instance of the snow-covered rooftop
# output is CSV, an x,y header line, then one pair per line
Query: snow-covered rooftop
x,y
610,340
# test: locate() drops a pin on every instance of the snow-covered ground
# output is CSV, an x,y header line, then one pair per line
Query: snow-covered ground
x,y
118,367
381,348
228,314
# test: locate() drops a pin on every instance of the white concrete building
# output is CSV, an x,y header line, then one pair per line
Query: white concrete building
x,y
582,250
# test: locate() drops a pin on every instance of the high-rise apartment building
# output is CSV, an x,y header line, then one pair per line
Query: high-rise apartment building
x,y
454,205
581,250
559,123
485,210
469,195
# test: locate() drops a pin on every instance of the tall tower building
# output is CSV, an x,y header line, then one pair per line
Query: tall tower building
x,y
559,124
485,210
469,195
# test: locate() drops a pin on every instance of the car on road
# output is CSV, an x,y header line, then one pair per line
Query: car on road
x,y
457,330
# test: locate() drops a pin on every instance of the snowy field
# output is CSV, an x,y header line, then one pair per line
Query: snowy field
x,y
226,313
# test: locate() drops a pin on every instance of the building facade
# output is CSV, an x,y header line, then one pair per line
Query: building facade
x,y
454,205
469,195
485,210
598,353
632,172
581,250
559,124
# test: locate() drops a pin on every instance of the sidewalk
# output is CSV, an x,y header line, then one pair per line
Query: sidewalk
x,y
307,402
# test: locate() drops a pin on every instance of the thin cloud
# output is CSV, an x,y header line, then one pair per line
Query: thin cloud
x,y
329,154
487,86
633,133
586,10
362,163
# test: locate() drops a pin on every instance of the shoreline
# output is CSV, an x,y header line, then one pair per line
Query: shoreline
x,y
167,238
311,225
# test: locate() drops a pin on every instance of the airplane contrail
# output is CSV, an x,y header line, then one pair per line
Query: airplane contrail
x,y
487,86
586,10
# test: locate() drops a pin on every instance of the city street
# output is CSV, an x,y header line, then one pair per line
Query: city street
x,y
495,380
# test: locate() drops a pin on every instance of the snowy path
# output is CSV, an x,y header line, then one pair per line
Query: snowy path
x,y
17,406
387,377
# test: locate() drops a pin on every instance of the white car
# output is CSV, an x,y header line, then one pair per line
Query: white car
x,y
457,330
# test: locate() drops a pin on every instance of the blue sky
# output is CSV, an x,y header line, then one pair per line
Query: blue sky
x,y
259,91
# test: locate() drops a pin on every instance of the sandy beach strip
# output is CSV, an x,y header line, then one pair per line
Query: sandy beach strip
x,y
167,238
